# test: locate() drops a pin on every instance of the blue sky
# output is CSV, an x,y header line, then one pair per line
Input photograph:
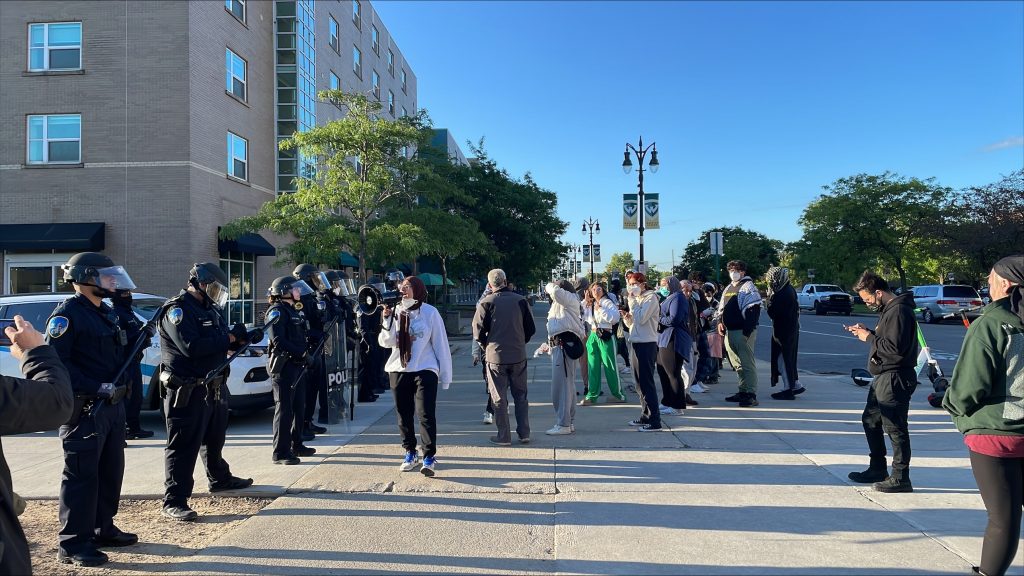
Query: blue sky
x,y
754,105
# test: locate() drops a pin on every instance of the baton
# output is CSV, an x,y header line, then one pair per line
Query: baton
x,y
131,357
216,371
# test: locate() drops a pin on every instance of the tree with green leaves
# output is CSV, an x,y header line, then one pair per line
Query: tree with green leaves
x,y
518,218
357,167
757,250
866,218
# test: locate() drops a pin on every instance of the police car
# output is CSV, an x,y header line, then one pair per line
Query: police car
x,y
249,384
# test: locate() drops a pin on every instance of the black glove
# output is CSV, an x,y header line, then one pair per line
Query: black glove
x,y
239,332
150,330
105,391
254,336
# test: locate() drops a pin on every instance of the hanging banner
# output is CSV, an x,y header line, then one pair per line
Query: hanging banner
x,y
597,252
652,216
629,211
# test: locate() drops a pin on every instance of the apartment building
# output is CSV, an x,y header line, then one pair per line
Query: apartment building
x,y
136,128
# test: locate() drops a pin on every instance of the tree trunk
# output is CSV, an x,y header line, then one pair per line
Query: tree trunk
x,y
362,252
444,282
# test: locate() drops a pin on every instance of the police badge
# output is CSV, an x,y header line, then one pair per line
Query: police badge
x,y
57,326
272,316
175,315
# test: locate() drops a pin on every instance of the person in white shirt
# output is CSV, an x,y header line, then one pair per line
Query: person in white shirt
x,y
642,321
420,360
563,319
600,314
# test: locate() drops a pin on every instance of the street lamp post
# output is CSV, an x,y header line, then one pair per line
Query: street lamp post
x,y
575,249
627,164
593,227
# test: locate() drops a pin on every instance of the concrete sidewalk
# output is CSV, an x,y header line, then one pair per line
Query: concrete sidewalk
x,y
724,491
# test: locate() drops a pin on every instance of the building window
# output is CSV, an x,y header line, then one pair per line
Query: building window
x,y
357,15
357,62
375,38
376,85
241,270
333,28
405,83
391,103
235,76
237,8
404,112
56,46
55,139
333,82
391,63
238,157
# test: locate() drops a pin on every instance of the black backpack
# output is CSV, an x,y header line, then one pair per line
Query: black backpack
x,y
571,345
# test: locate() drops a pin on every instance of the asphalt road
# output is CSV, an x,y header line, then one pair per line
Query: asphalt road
x,y
825,348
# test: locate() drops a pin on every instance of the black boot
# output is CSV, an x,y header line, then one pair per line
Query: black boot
x,y
786,394
87,556
737,397
874,473
748,400
892,485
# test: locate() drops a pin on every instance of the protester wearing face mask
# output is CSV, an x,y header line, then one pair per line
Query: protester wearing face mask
x,y
642,320
420,360
738,313
675,346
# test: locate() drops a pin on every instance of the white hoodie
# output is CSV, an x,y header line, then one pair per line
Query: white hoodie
x,y
564,314
602,314
430,349
643,324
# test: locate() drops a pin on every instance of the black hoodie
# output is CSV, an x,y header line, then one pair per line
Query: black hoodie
x,y
894,340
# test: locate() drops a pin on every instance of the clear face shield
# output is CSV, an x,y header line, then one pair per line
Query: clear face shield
x,y
393,279
114,278
320,282
300,289
217,292
350,285
339,288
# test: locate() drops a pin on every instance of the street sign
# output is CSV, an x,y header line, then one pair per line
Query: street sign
x,y
640,267
810,273
597,252
715,239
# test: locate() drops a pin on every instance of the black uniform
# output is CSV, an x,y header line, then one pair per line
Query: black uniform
x,y
318,311
287,333
372,357
92,346
193,341
128,322
43,402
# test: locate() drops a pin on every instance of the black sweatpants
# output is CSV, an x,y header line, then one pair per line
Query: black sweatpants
x,y
886,413
670,365
1001,483
416,394
646,354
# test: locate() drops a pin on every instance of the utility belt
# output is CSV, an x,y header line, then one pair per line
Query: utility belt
x,y
84,403
277,360
179,390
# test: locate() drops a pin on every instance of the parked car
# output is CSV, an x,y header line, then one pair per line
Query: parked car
x,y
824,298
986,298
249,384
934,301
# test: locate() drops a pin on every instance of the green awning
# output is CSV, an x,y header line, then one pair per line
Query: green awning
x,y
346,259
433,279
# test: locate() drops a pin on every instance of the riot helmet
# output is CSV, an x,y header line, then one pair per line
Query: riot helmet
x,y
98,270
393,279
289,287
211,280
377,282
337,280
313,277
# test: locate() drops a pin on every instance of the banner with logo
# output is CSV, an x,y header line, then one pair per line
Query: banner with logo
x,y
597,252
652,216
629,211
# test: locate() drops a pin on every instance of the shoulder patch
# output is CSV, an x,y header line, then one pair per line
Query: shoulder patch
x,y
272,315
175,315
57,326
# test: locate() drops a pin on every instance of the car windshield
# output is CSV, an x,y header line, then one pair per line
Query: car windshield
x,y
959,292
827,288
147,307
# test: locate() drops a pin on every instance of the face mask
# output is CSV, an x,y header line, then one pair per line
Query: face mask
x,y
874,305
408,302
633,289
663,290
735,275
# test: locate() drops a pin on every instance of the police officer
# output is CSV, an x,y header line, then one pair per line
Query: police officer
x,y
287,356
194,340
318,313
85,334
370,371
130,323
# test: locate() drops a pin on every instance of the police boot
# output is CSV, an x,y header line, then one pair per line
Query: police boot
x,y
87,556
301,450
116,539
233,483
315,429
876,472
182,513
137,434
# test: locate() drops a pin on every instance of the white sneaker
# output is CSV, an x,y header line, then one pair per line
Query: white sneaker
x,y
557,430
412,461
698,387
488,418
679,412
666,410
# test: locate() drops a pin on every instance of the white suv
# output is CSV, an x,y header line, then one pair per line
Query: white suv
x,y
249,384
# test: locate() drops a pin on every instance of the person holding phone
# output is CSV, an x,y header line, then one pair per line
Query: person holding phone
x,y
41,401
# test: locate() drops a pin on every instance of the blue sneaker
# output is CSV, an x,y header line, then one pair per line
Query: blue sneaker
x,y
411,462
428,466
